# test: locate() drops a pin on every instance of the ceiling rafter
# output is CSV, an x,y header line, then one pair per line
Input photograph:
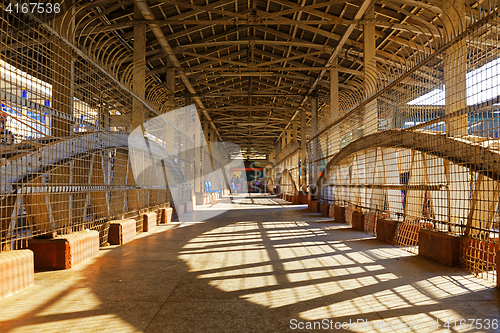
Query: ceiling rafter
x,y
246,61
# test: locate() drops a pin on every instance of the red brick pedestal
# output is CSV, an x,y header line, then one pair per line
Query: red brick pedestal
x,y
440,247
358,221
325,210
314,206
302,198
148,221
498,270
386,230
166,215
338,213
64,252
121,231
17,271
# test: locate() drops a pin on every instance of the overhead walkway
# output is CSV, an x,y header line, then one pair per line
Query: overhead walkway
x,y
262,265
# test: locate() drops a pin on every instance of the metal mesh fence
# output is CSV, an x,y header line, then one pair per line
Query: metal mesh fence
x,y
423,149
65,161
288,169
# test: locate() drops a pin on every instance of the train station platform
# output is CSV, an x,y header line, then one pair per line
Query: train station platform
x,y
262,265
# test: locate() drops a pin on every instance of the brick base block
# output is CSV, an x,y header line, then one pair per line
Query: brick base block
x,y
338,213
17,271
302,198
148,221
358,221
440,247
64,252
314,206
386,230
498,270
166,215
121,231
325,210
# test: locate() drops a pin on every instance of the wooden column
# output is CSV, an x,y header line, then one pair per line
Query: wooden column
x,y
370,118
315,142
294,131
455,70
303,155
334,106
198,146
335,140
170,80
139,71
172,137
213,135
170,105
314,116
104,117
63,75
334,91
62,87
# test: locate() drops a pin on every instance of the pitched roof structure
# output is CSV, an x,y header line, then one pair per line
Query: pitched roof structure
x,y
251,65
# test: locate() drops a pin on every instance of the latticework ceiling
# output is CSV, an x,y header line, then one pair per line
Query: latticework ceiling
x,y
251,65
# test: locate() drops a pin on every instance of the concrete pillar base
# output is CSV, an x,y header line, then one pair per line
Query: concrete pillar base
x,y
64,252
17,270
148,221
122,231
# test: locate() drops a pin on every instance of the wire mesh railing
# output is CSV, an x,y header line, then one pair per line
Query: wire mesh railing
x,y
65,161
424,148
289,170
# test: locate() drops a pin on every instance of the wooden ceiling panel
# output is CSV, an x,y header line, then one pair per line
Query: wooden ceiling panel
x,y
235,56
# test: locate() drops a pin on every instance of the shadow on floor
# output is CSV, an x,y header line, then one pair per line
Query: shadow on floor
x,y
252,270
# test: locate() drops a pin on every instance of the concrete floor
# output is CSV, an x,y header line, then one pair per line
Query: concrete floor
x,y
260,266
